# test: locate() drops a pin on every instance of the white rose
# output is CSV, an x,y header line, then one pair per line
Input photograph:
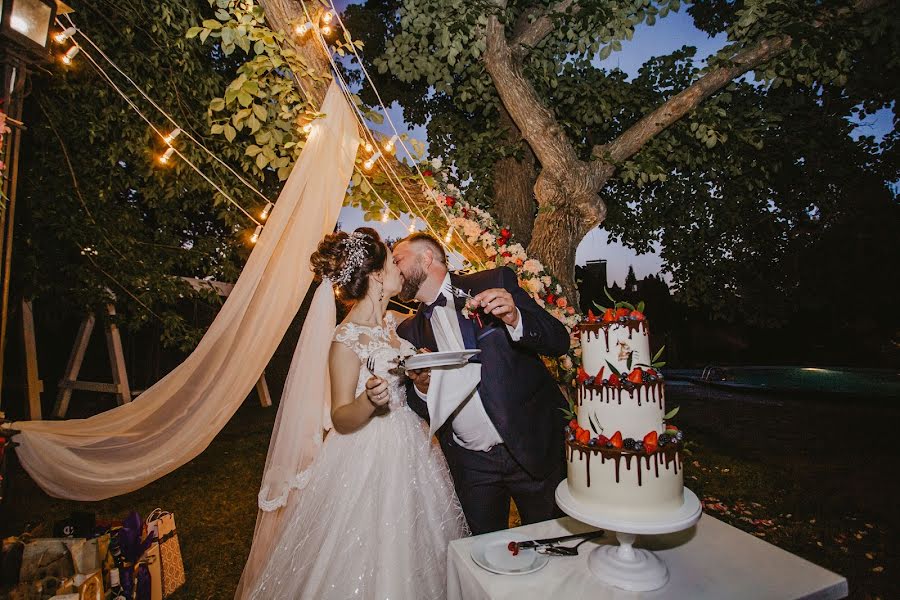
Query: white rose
x,y
546,280
437,163
490,265
534,285
566,362
533,266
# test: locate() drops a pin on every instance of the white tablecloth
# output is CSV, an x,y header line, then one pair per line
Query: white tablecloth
x,y
710,560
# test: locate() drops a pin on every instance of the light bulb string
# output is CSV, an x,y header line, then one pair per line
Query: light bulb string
x,y
404,194
165,114
392,174
387,114
137,110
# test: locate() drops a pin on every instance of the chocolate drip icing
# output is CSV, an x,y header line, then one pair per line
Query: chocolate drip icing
x,y
668,455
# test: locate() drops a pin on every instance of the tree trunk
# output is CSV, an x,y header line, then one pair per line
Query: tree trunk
x,y
283,16
513,185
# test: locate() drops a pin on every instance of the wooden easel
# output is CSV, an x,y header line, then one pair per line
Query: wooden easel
x,y
119,386
70,382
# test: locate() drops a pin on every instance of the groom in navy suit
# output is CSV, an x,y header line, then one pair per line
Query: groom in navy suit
x,y
506,438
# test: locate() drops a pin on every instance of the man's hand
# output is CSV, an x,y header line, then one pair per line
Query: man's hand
x,y
421,378
498,302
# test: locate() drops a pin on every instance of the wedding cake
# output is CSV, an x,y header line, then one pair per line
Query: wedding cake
x,y
624,459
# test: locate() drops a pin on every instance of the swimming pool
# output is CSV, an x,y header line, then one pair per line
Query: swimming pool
x,y
872,383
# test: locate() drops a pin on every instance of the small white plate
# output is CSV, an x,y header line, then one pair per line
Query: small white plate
x,y
492,553
450,358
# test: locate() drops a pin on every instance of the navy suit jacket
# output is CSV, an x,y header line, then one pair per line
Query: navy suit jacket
x,y
519,395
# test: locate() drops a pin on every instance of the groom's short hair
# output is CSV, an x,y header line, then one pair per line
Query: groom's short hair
x,y
423,239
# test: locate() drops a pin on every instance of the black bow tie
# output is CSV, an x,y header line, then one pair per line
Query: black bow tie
x,y
429,309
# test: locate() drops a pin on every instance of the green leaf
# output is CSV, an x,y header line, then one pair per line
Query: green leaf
x,y
217,104
212,24
640,306
627,305
602,308
192,32
611,299
671,413
613,368
628,363
658,354
244,98
230,133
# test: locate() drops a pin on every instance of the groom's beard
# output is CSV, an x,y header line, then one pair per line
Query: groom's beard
x,y
412,281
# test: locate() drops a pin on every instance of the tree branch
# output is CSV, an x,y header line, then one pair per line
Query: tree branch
x,y
528,35
635,137
535,121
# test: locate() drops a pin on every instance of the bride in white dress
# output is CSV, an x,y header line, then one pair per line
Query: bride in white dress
x,y
367,512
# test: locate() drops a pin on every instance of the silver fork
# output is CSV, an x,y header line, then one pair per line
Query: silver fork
x,y
458,292
370,365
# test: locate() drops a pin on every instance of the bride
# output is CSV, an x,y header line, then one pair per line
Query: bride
x,y
368,511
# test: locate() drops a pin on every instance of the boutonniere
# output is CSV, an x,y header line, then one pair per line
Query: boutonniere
x,y
469,311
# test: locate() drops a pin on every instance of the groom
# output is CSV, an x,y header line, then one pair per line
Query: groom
x,y
506,438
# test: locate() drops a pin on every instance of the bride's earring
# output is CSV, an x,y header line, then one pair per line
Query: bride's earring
x,y
381,294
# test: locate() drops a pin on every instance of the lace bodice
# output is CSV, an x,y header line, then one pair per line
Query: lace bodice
x,y
385,347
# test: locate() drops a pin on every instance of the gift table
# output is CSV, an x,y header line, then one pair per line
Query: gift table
x,y
710,560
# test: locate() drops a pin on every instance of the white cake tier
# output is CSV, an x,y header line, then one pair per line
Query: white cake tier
x,y
634,413
613,343
625,485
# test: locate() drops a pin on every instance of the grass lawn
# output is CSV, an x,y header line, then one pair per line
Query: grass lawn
x,y
815,479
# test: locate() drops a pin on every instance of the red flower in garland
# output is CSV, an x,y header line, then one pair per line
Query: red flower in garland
x,y
427,173
505,233
450,201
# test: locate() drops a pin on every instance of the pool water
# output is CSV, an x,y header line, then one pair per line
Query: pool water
x,y
872,383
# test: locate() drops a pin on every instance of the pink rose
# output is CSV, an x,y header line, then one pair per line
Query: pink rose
x,y
561,302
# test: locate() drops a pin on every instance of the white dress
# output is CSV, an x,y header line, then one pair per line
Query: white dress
x,y
379,510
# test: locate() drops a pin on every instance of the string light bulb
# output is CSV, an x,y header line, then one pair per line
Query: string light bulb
x,y
303,28
68,56
449,235
327,17
326,29
390,145
384,215
412,226
369,147
255,236
307,129
372,160
172,135
164,159
265,212
63,35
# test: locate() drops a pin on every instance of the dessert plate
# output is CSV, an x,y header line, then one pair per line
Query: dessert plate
x,y
492,553
450,358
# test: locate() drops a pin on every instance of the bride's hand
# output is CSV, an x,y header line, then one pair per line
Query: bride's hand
x,y
377,391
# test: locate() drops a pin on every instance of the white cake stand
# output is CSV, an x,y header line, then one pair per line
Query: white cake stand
x,y
624,566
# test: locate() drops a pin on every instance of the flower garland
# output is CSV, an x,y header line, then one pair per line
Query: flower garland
x,y
479,228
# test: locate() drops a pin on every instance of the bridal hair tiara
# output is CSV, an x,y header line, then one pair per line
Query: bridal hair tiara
x,y
356,254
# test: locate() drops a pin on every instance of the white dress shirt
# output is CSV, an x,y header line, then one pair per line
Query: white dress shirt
x,y
472,428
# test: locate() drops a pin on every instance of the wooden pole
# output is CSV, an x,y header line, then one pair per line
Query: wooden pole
x,y
14,74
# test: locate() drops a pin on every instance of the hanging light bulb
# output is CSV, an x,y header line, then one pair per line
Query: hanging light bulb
x,y
166,155
265,212
390,145
67,58
369,147
326,29
255,236
412,226
303,28
384,215
307,129
172,135
63,35
372,160
328,16
449,235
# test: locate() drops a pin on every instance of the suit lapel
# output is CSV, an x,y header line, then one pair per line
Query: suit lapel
x,y
466,326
